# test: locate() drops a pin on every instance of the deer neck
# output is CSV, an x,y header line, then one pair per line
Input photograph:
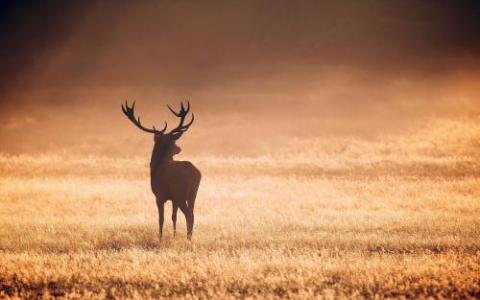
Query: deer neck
x,y
159,157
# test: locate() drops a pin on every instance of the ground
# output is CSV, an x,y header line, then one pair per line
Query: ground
x,y
392,216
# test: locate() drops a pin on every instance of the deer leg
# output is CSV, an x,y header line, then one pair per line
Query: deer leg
x,y
184,209
190,207
190,216
160,205
174,218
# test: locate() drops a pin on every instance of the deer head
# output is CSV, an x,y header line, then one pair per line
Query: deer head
x,y
165,146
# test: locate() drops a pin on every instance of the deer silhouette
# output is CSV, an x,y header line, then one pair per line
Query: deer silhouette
x,y
169,179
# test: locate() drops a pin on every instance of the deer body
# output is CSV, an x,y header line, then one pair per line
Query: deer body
x,y
184,173
171,180
177,181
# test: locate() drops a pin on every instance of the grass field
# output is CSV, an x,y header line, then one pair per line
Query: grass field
x,y
392,216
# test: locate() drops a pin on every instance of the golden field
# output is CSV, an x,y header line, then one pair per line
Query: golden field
x,y
393,216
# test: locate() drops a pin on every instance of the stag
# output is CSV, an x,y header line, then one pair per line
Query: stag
x,y
173,180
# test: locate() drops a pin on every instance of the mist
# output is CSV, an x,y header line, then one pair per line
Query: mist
x,y
257,74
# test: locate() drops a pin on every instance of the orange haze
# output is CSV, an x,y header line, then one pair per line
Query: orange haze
x,y
258,74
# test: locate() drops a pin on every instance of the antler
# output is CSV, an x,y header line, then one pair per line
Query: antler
x,y
180,129
130,113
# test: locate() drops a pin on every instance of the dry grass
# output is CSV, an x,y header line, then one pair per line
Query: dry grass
x,y
391,217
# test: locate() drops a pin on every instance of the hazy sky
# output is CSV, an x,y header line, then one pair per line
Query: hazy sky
x,y
261,66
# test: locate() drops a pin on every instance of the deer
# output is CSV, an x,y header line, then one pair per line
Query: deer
x,y
173,180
